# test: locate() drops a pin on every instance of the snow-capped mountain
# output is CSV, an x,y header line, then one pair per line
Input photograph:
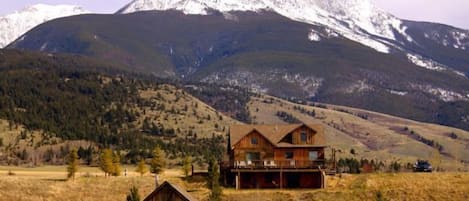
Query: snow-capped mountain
x,y
14,25
354,19
358,20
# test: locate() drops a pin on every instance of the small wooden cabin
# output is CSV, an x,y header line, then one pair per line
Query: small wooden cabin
x,y
276,156
169,192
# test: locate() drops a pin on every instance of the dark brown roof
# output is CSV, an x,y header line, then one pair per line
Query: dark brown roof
x,y
184,194
274,133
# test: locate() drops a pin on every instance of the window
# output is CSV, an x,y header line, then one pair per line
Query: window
x,y
253,140
289,155
303,137
313,155
253,156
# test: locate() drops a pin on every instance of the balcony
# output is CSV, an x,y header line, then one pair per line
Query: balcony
x,y
276,164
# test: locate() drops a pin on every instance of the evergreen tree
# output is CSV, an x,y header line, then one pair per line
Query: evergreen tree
x,y
133,194
105,162
187,165
157,162
142,167
216,191
72,162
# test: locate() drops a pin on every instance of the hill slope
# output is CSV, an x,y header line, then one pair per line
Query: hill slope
x,y
372,135
48,100
251,50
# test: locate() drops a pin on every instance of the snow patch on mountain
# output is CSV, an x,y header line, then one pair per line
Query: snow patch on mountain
x,y
16,24
260,82
359,87
229,16
425,63
400,93
330,33
462,39
314,36
455,38
443,94
43,47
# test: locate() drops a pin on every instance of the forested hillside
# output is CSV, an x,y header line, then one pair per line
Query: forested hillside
x,y
48,103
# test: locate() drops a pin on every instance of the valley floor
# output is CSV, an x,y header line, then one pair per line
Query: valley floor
x,y
48,183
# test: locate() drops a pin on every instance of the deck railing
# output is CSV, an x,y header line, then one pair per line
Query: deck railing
x,y
256,164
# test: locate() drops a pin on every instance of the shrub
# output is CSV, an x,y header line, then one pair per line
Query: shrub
x,y
133,194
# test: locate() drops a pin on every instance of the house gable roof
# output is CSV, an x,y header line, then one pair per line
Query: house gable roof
x,y
184,194
254,130
273,133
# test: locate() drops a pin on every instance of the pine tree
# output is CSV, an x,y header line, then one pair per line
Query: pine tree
x,y
105,162
157,162
133,194
210,173
72,162
216,191
142,167
186,165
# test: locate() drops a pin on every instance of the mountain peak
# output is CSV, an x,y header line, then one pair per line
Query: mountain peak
x,y
353,19
16,24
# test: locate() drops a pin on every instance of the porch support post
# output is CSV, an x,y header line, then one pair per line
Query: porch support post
x,y
238,181
281,178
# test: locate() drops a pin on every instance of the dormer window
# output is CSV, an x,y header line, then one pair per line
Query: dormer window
x,y
303,137
254,140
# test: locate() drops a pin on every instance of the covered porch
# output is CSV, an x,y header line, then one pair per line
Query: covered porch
x,y
278,178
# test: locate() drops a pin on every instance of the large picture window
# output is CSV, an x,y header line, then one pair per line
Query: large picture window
x,y
253,156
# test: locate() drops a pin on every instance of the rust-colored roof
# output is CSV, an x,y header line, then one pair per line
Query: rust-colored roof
x,y
273,133
184,194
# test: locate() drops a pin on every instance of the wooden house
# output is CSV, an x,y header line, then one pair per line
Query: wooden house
x,y
169,192
276,156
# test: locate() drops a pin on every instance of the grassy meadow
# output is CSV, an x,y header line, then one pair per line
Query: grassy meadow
x,y
49,183
378,136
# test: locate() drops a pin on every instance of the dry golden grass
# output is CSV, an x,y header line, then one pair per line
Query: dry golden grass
x,y
402,186
48,183
372,138
183,112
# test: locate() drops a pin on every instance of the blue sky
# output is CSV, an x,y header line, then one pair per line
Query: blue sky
x,y
454,12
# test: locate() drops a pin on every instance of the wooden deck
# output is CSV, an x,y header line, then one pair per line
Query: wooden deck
x,y
276,164
277,170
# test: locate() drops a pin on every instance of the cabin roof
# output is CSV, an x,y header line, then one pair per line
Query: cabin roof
x,y
275,133
184,194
